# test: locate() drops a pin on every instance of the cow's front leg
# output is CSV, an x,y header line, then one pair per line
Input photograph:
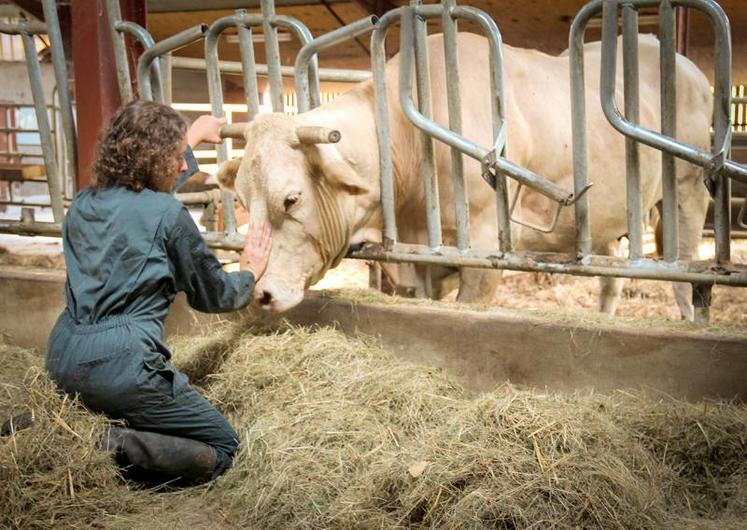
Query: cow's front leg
x,y
478,285
609,294
610,288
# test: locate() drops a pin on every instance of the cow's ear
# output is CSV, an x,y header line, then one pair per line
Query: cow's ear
x,y
227,173
339,173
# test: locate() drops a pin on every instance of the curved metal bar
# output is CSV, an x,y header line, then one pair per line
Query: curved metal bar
x,y
181,39
483,155
500,118
304,36
146,39
215,91
381,115
647,136
320,43
578,125
120,52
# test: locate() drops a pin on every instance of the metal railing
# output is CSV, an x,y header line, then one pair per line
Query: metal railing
x,y
497,170
52,29
719,168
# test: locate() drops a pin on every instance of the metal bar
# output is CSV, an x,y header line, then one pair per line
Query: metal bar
x,y
120,52
722,133
693,272
454,104
668,86
215,92
167,86
632,113
321,43
181,39
146,39
45,135
246,48
235,67
526,177
723,95
499,115
272,53
28,27
578,117
304,36
386,178
199,197
427,165
63,90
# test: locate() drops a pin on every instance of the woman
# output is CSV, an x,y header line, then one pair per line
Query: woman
x,y
129,247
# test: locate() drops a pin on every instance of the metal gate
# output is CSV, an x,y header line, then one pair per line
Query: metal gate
x,y
154,83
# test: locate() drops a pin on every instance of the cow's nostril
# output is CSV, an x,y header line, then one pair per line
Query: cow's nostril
x,y
266,298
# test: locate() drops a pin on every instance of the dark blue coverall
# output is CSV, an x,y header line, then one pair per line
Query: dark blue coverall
x,y
127,255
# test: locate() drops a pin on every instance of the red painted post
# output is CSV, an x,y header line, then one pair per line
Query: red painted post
x,y
96,91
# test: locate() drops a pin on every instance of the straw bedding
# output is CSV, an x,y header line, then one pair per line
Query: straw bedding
x,y
336,433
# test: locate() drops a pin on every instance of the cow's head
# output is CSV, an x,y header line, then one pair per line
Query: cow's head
x,y
293,179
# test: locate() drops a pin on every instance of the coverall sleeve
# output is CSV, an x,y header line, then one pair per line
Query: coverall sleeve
x,y
192,168
199,274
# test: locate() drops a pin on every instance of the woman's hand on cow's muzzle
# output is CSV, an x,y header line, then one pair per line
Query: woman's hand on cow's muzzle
x,y
256,252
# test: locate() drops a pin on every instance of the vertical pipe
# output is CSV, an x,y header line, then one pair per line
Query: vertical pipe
x,y
721,129
246,47
45,134
578,125
668,128
428,166
632,113
451,56
120,51
215,91
498,110
272,50
167,69
63,89
378,65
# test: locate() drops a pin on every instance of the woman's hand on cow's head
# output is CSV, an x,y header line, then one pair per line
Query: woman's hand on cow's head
x,y
206,128
257,249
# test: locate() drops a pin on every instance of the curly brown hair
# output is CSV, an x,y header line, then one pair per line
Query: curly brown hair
x,y
138,149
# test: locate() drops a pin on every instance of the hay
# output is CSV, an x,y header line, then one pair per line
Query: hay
x,y
337,433
52,475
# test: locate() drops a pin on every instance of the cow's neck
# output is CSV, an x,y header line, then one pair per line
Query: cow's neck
x,y
353,115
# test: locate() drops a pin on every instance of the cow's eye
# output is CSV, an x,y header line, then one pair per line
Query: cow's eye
x,y
291,201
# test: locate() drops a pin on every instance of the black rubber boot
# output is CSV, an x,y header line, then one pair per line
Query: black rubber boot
x,y
169,456
17,423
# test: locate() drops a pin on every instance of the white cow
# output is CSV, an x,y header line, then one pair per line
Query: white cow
x,y
322,198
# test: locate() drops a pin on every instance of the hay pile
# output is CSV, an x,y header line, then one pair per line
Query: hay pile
x,y
336,433
52,475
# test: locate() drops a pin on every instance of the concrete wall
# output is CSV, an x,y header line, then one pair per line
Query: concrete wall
x,y
483,349
15,86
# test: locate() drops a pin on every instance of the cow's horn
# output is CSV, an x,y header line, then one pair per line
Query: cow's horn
x,y
317,135
233,130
